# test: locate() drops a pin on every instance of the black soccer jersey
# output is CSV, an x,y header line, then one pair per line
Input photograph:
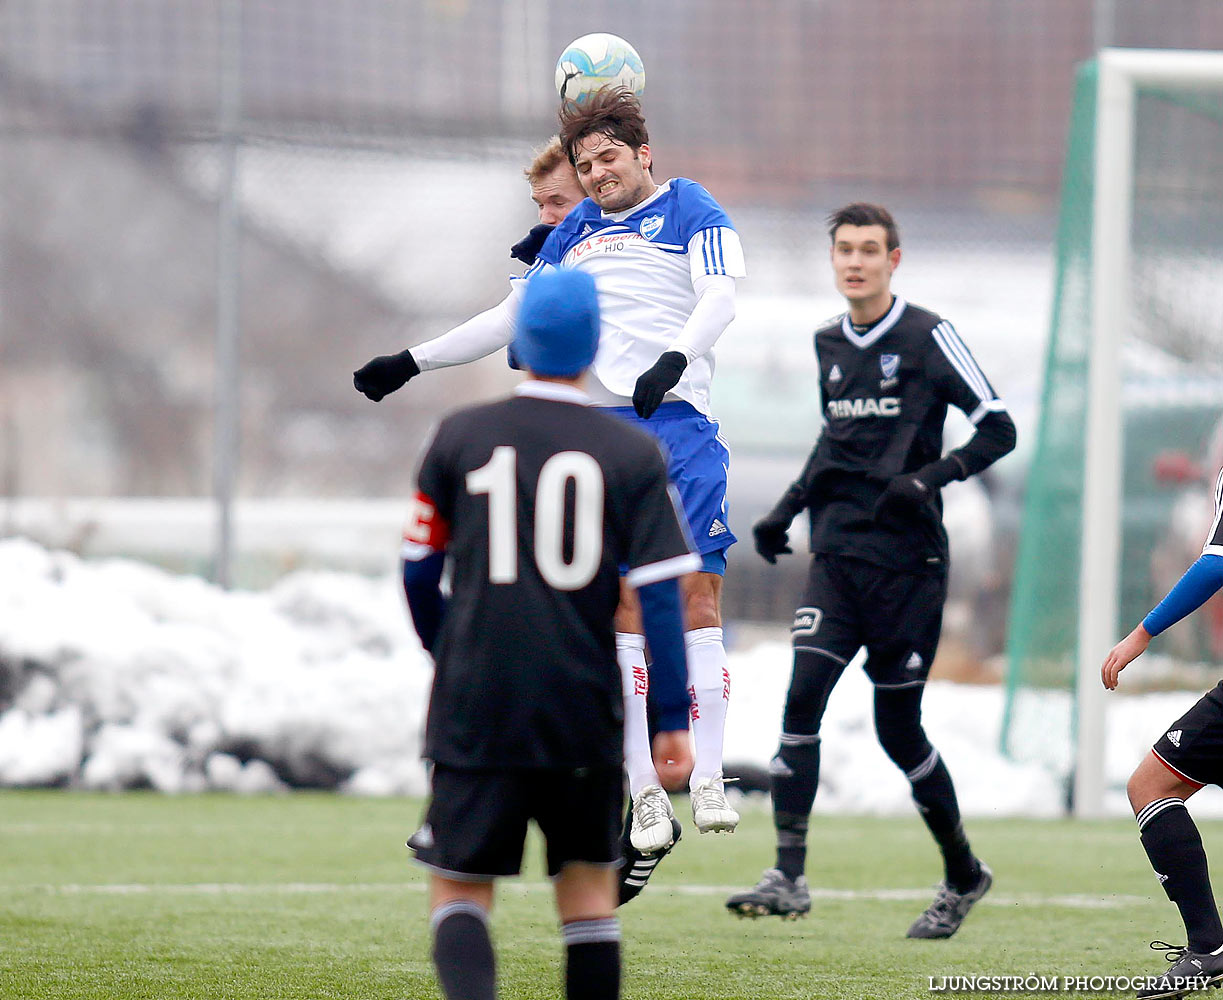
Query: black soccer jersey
x,y
538,501
885,389
1214,537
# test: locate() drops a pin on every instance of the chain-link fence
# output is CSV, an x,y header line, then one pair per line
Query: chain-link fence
x,y
373,151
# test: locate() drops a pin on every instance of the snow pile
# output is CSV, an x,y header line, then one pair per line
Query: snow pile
x,y
118,675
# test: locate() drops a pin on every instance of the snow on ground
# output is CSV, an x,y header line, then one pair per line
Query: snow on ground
x,y
114,674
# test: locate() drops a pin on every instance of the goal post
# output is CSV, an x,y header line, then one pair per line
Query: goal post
x,y
1077,516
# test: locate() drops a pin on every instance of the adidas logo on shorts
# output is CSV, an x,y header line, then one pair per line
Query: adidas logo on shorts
x,y
1174,738
717,528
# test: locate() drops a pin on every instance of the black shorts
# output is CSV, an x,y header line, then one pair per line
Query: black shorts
x,y
476,822
1192,747
849,603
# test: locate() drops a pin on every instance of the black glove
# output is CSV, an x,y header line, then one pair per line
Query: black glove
x,y
385,374
904,493
910,490
527,248
772,539
655,383
771,531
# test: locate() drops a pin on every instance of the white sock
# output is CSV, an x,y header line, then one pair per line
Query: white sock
x,y
709,691
638,761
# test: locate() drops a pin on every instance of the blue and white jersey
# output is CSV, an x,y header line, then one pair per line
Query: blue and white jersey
x,y
645,261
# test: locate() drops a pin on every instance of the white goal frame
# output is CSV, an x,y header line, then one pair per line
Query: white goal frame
x,y
1120,73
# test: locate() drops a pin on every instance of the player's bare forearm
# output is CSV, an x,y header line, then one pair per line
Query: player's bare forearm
x,y
672,752
1122,654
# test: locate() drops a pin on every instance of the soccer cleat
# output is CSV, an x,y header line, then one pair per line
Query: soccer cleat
x,y
1191,972
710,810
943,917
652,816
774,895
638,867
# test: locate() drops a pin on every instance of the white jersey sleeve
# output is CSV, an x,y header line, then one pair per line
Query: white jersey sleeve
x,y
712,314
716,250
479,337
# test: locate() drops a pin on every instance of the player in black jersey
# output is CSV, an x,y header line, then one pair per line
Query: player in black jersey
x,y
555,190
1187,757
537,501
878,577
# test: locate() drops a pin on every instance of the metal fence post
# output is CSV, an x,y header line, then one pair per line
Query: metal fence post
x,y
227,396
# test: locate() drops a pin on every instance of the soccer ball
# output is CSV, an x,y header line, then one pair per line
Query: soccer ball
x,y
598,60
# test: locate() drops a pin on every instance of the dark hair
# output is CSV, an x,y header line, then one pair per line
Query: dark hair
x,y
610,111
863,213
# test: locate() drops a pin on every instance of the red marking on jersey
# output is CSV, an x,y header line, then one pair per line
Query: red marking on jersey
x,y
606,243
425,525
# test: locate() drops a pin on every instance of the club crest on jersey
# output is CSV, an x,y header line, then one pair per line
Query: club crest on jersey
x,y
889,364
651,226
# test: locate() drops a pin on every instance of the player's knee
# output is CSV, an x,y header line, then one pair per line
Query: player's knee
x,y
1136,791
905,743
898,726
803,715
815,674
701,608
1151,781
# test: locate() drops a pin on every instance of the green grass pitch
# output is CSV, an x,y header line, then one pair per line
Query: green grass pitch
x,y
138,896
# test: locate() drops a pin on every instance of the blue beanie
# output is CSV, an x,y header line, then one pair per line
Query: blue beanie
x,y
558,323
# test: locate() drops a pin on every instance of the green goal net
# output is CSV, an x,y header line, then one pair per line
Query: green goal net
x,y
1153,325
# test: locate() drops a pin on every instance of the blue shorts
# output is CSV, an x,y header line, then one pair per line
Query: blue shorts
x,y
697,464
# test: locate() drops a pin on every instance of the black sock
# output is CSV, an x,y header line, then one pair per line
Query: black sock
x,y
463,951
592,959
794,775
935,797
1172,842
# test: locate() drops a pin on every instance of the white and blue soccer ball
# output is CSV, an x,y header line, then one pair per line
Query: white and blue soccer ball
x,y
598,60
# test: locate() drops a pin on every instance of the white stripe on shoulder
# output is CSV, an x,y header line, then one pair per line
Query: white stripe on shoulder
x,y
989,406
667,569
961,359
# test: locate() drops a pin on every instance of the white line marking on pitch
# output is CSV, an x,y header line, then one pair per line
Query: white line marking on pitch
x,y
1067,901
